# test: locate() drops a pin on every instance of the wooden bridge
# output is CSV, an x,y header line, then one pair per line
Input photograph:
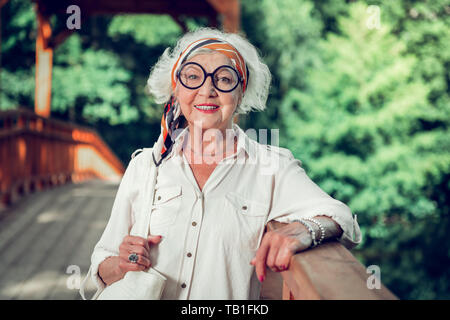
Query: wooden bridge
x,y
46,240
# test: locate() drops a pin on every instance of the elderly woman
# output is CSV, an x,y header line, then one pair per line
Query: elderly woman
x,y
216,189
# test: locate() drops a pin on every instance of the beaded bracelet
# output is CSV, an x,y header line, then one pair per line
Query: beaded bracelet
x,y
322,229
310,229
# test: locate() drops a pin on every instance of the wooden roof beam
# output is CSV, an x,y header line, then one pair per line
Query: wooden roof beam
x,y
3,2
188,7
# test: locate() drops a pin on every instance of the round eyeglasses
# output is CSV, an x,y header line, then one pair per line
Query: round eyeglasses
x,y
224,78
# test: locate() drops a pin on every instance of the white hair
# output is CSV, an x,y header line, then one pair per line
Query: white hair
x,y
159,83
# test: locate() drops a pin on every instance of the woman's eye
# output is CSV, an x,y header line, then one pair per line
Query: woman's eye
x,y
224,79
192,77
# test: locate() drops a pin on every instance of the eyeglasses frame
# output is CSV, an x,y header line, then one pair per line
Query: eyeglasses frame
x,y
206,74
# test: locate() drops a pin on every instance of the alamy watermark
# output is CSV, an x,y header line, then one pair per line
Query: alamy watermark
x,y
74,20
219,148
73,282
374,280
374,19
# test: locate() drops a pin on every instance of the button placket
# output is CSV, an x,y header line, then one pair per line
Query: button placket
x,y
191,246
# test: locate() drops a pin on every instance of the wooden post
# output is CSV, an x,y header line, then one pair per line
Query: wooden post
x,y
230,11
44,62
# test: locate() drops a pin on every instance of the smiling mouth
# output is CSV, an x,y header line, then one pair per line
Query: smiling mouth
x,y
206,107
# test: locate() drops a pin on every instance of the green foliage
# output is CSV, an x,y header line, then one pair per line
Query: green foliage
x,y
286,36
359,127
18,55
425,28
291,43
142,29
93,80
17,88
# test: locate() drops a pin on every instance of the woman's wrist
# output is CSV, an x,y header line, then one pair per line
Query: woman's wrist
x,y
109,270
319,229
305,236
331,228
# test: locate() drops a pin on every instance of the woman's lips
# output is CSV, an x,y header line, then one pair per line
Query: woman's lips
x,y
207,110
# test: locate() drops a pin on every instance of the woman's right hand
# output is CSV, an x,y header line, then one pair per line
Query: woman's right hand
x,y
113,269
140,246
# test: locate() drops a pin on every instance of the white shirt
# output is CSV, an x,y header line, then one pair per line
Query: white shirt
x,y
209,237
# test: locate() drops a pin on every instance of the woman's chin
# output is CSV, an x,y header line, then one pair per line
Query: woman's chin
x,y
205,124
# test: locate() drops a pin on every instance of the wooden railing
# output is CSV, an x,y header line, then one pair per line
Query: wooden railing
x,y
327,272
37,152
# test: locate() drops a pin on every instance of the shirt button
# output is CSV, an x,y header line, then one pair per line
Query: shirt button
x,y
189,254
244,208
183,285
159,197
194,223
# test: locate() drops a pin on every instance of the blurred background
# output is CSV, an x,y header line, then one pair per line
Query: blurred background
x,y
360,93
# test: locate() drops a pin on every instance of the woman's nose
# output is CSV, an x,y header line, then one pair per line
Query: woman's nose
x,y
208,89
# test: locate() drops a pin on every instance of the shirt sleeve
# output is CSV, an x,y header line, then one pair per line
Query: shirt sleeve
x,y
297,196
118,226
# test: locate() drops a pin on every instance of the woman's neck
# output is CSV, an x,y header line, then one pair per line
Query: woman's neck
x,y
210,143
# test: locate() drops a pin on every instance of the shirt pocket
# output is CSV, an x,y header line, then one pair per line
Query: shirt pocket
x,y
249,217
166,205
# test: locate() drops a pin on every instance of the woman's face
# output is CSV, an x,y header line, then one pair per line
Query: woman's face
x,y
222,117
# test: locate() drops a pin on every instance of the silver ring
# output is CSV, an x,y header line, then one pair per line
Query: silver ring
x,y
133,258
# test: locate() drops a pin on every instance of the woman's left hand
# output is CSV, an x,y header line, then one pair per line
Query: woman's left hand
x,y
278,246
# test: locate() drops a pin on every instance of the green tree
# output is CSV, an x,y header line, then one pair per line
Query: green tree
x,y
18,55
90,85
424,27
286,33
359,130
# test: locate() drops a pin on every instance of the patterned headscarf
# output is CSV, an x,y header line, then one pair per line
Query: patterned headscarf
x,y
172,118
